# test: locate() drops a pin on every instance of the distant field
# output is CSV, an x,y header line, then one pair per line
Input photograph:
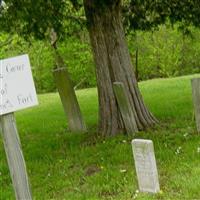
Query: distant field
x,y
62,165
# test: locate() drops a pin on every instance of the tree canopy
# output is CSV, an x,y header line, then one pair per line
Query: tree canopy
x,y
37,17
111,56
148,14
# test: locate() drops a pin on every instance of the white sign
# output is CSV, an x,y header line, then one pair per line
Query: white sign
x,y
17,90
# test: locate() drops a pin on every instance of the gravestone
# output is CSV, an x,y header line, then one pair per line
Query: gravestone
x,y
145,165
17,91
124,107
196,100
69,100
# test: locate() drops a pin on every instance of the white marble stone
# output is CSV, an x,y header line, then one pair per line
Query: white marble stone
x,y
145,164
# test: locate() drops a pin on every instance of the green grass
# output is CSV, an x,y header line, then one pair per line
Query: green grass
x,y
69,166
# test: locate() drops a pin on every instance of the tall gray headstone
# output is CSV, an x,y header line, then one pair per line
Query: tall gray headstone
x,y
196,100
145,164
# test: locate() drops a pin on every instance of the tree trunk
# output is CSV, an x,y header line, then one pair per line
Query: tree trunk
x,y
113,64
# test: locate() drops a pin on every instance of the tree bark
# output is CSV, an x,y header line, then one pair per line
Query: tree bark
x,y
113,64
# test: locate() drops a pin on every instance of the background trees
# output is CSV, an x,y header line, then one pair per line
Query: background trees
x,y
113,64
67,18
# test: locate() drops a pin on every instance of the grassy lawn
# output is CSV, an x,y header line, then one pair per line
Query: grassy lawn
x,y
69,166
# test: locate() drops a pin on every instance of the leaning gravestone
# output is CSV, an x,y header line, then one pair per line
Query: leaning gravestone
x,y
69,100
196,100
145,164
17,91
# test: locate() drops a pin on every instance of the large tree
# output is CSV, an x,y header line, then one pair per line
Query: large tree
x,y
111,55
112,59
113,64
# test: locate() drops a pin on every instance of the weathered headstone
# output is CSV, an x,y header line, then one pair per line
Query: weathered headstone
x,y
124,107
17,91
145,165
196,100
66,90
69,100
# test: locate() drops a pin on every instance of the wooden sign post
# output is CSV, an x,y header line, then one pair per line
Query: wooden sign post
x,y
17,91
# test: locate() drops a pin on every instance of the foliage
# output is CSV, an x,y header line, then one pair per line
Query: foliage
x,y
76,54
27,17
148,14
73,167
78,57
37,18
162,53
166,52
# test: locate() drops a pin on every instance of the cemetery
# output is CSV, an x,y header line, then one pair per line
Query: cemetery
x,y
99,120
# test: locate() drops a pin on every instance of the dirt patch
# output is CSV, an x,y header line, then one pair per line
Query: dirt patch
x,y
91,170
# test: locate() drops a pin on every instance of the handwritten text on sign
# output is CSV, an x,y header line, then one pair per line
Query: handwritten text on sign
x,y
17,90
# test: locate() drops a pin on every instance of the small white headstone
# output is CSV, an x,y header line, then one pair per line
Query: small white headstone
x,y
145,164
17,90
